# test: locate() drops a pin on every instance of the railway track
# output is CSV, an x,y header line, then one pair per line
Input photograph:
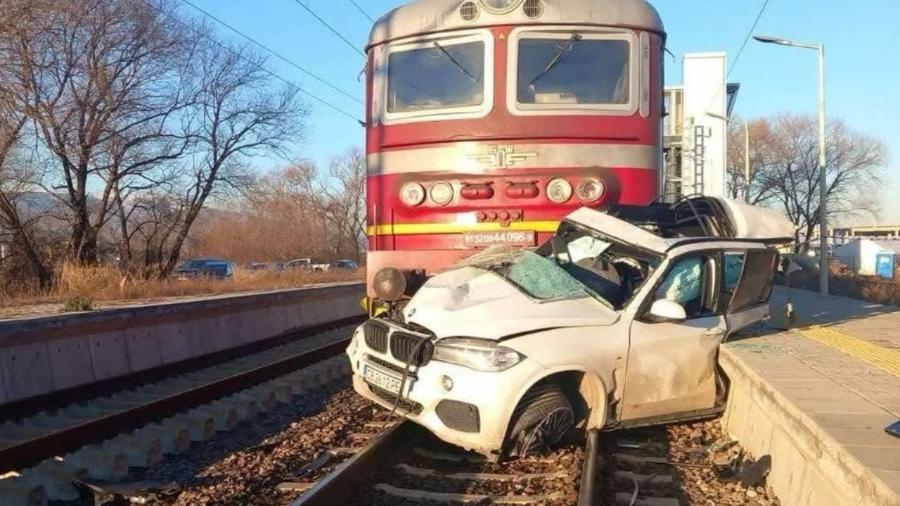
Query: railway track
x,y
404,465
101,439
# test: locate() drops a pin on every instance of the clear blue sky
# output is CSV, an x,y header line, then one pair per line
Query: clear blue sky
x,y
862,40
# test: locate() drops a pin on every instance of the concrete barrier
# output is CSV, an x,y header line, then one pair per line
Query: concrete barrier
x,y
809,467
42,355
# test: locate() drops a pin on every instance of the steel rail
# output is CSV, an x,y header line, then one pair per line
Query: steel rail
x,y
31,452
587,490
336,487
340,483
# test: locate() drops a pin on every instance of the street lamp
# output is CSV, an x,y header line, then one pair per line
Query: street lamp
x,y
823,190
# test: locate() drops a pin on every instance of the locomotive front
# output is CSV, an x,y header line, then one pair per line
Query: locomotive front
x,y
490,120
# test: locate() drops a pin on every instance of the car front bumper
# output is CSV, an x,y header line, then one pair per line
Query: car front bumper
x,y
473,414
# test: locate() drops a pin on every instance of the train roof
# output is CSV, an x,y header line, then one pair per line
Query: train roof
x,y
427,16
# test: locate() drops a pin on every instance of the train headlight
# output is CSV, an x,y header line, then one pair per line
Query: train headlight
x,y
590,189
559,190
441,193
500,6
412,194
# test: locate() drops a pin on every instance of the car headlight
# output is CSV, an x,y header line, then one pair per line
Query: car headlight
x,y
476,354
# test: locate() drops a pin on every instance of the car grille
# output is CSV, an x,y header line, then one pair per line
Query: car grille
x,y
376,335
404,404
409,348
387,365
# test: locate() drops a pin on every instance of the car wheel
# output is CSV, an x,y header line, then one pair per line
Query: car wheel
x,y
540,420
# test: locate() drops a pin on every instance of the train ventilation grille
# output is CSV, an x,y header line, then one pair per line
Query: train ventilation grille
x,y
533,8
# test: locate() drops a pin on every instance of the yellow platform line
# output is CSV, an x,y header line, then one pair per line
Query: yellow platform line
x,y
879,356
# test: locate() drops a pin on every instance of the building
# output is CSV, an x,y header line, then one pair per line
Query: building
x,y
868,231
695,130
868,257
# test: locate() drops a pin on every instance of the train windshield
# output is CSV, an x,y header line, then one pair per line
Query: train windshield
x,y
573,69
436,75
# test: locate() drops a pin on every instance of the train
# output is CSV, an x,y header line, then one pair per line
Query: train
x,y
488,121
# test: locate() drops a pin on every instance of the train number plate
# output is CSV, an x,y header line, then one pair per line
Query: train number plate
x,y
381,380
499,238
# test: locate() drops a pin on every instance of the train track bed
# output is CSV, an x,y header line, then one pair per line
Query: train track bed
x,y
105,446
247,465
682,464
405,465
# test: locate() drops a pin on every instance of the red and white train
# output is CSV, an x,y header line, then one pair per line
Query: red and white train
x,y
490,120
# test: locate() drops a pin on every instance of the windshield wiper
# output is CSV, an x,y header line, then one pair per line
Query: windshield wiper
x,y
460,65
557,59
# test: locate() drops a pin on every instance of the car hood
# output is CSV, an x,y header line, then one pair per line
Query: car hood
x,y
473,302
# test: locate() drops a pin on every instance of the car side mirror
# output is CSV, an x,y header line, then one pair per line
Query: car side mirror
x,y
665,310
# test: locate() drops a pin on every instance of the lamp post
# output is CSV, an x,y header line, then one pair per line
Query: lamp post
x,y
823,189
746,145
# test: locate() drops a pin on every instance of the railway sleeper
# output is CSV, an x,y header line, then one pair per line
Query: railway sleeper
x,y
461,476
454,498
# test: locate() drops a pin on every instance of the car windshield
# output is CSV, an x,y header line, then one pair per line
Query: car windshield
x,y
193,264
440,75
537,276
572,70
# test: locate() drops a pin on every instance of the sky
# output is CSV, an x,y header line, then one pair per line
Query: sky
x,y
861,38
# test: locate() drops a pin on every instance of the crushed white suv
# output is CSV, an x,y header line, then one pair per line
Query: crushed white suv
x,y
614,322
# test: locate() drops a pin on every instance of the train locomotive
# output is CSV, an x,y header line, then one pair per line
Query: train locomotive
x,y
490,120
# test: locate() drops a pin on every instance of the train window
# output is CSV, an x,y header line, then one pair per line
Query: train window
x,y
436,75
573,70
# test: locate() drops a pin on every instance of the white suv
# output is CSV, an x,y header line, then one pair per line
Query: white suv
x,y
614,322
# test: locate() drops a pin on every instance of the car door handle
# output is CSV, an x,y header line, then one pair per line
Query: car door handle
x,y
714,333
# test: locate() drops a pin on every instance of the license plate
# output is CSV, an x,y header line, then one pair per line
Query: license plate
x,y
499,238
381,380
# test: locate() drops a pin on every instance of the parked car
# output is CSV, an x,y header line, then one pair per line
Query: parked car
x,y
607,325
348,265
307,264
205,267
259,266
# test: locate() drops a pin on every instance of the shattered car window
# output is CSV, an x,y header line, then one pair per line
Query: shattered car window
x,y
539,277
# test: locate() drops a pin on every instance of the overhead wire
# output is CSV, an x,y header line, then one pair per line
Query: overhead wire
x,y
331,28
261,67
273,52
362,11
749,34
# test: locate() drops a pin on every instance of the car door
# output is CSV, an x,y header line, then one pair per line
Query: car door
x,y
749,301
672,364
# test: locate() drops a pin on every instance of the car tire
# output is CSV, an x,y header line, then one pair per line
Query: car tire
x,y
540,420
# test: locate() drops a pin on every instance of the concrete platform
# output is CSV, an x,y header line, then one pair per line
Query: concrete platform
x,y
49,354
817,397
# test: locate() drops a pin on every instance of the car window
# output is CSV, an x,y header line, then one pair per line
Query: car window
x,y
755,285
689,282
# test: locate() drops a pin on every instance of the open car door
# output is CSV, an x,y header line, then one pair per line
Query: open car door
x,y
750,300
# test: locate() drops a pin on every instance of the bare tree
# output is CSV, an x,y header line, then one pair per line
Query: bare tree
x,y
786,172
344,202
15,177
757,190
237,115
101,81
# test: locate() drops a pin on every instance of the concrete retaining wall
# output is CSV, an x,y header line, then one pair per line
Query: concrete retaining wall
x,y
808,466
47,354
